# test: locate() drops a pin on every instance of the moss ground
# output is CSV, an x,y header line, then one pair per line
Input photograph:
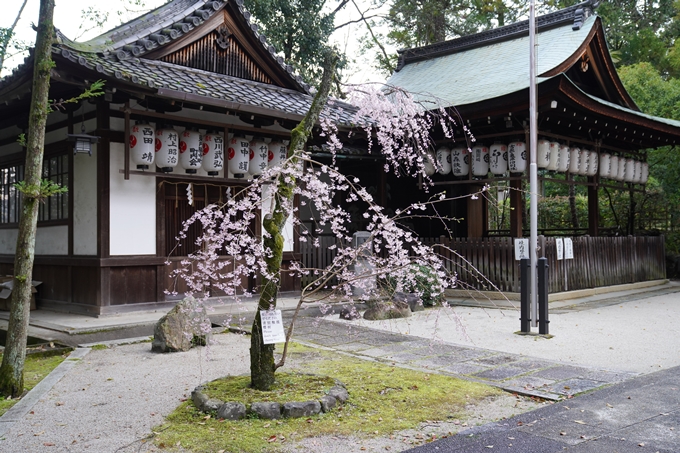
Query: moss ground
x,y
35,369
383,399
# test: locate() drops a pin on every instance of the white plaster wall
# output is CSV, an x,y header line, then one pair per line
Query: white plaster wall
x,y
85,203
52,240
132,209
8,241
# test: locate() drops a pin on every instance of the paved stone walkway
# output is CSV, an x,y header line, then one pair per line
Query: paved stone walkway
x,y
641,415
514,373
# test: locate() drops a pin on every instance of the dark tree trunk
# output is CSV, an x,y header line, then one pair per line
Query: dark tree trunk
x,y
12,368
262,365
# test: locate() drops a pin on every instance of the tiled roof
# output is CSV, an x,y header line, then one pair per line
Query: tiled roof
x,y
180,82
573,16
479,73
159,27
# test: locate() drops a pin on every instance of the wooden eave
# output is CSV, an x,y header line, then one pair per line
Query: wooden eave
x,y
594,48
577,117
238,27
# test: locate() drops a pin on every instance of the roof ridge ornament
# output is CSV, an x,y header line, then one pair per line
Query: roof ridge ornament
x,y
222,40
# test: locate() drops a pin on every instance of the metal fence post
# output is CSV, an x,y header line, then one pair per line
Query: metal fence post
x,y
543,296
525,288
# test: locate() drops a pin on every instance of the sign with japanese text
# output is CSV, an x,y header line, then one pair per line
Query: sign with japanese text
x,y
568,249
521,249
272,327
559,245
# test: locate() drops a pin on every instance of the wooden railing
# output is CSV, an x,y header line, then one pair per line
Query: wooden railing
x,y
489,264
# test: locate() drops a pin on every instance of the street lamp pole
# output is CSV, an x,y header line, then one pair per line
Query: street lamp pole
x,y
533,169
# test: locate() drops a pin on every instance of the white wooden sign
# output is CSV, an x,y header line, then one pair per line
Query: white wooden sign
x,y
559,244
568,249
521,249
272,327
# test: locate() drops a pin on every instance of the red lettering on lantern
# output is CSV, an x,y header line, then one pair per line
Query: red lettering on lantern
x,y
206,149
182,146
271,156
133,141
232,153
158,145
252,154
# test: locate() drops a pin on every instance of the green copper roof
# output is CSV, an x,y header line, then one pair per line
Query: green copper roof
x,y
486,72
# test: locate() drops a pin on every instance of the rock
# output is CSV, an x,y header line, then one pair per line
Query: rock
x,y
413,301
349,312
211,405
179,329
198,397
339,393
328,403
301,409
269,411
232,411
387,310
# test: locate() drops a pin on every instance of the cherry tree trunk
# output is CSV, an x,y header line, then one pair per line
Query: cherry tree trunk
x,y
262,364
12,368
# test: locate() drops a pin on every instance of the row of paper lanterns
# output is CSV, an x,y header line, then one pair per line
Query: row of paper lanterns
x,y
191,150
553,156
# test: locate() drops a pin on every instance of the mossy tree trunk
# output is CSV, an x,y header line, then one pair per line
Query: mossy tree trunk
x,y
12,368
262,364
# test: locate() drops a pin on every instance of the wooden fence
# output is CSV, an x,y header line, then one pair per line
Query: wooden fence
x,y
489,264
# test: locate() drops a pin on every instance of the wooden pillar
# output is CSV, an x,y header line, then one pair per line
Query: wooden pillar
x,y
477,213
516,208
593,208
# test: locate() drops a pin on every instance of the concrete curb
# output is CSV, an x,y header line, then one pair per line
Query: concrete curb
x,y
19,410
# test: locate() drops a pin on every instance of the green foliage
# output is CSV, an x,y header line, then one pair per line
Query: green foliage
x,y
41,192
94,90
383,399
300,30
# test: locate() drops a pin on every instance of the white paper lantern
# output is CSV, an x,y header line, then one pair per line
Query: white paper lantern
x,y
238,155
622,169
543,153
213,153
564,159
190,150
517,157
428,162
259,156
574,160
614,168
167,148
498,159
480,161
142,145
444,161
584,162
554,156
629,170
637,177
645,173
593,163
605,165
460,161
277,153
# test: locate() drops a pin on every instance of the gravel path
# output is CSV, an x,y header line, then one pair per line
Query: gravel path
x,y
641,335
115,396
